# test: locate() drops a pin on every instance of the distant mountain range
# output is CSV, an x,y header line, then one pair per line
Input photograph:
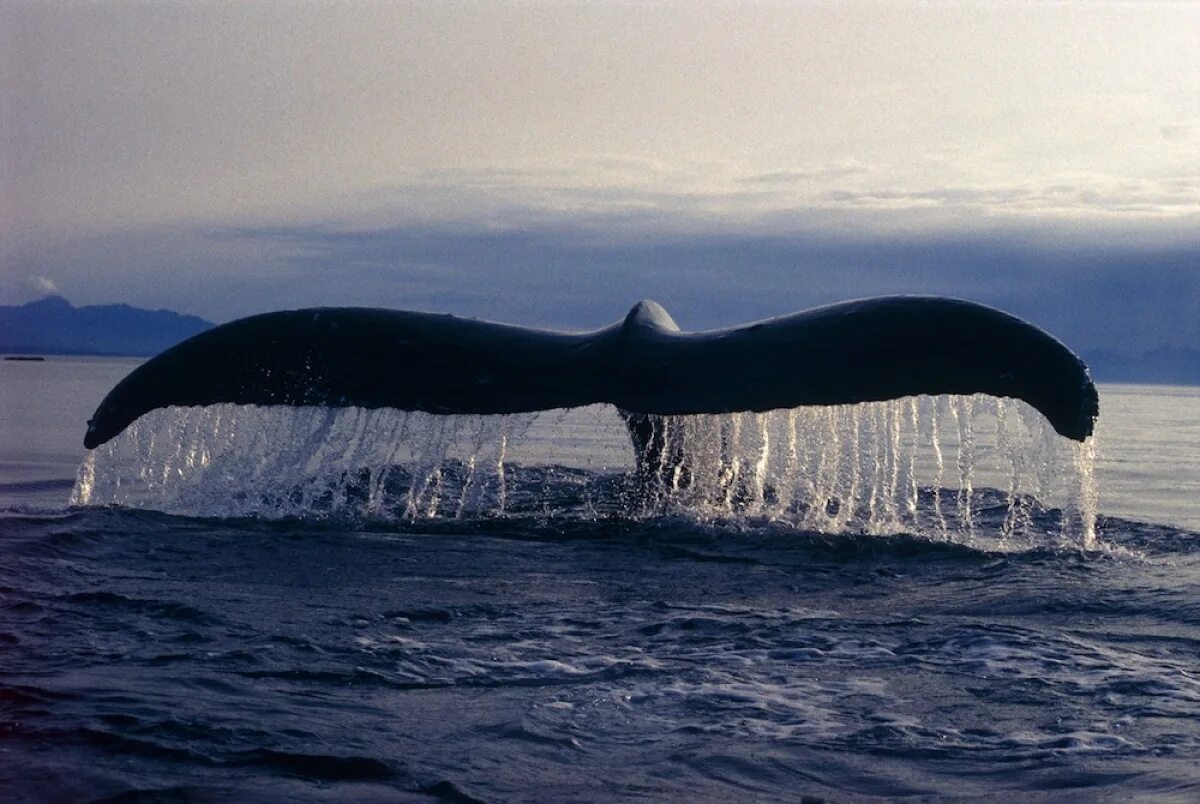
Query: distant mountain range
x,y
54,326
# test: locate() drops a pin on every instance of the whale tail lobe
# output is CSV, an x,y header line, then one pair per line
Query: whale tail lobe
x,y
859,351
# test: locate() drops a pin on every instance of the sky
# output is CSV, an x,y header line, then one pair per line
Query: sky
x,y
552,163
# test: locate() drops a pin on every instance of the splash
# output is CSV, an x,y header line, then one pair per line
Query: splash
x,y
228,460
975,470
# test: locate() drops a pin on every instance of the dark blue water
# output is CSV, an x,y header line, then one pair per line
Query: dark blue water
x,y
584,653
522,660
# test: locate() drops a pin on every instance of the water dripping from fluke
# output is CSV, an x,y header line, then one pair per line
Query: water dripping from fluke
x,y
978,471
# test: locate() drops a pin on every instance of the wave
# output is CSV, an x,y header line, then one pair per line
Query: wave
x,y
732,539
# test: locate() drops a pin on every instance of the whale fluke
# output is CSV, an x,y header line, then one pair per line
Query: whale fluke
x,y
857,351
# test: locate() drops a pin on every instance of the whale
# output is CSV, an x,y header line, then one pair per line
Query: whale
x,y
864,350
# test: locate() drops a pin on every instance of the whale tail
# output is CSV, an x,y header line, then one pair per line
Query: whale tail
x,y
858,351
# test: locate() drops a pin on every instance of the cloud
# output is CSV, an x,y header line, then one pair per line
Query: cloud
x,y
40,286
1094,288
533,244
1076,196
131,115
1178,132
819,173
610,197
31,288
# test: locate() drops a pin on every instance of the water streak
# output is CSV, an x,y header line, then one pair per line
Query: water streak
x,y
873,468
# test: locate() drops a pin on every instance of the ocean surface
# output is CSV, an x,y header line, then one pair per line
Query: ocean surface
x,y
928,598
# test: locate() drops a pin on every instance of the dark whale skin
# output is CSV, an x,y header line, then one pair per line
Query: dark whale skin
x,y
857,351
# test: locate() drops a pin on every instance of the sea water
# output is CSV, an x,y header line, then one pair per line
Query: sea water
x,y
932,597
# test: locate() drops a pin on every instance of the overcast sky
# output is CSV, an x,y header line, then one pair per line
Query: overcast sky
x,y
551,163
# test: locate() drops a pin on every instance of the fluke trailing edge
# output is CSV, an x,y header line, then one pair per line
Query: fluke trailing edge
x,y
857,351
